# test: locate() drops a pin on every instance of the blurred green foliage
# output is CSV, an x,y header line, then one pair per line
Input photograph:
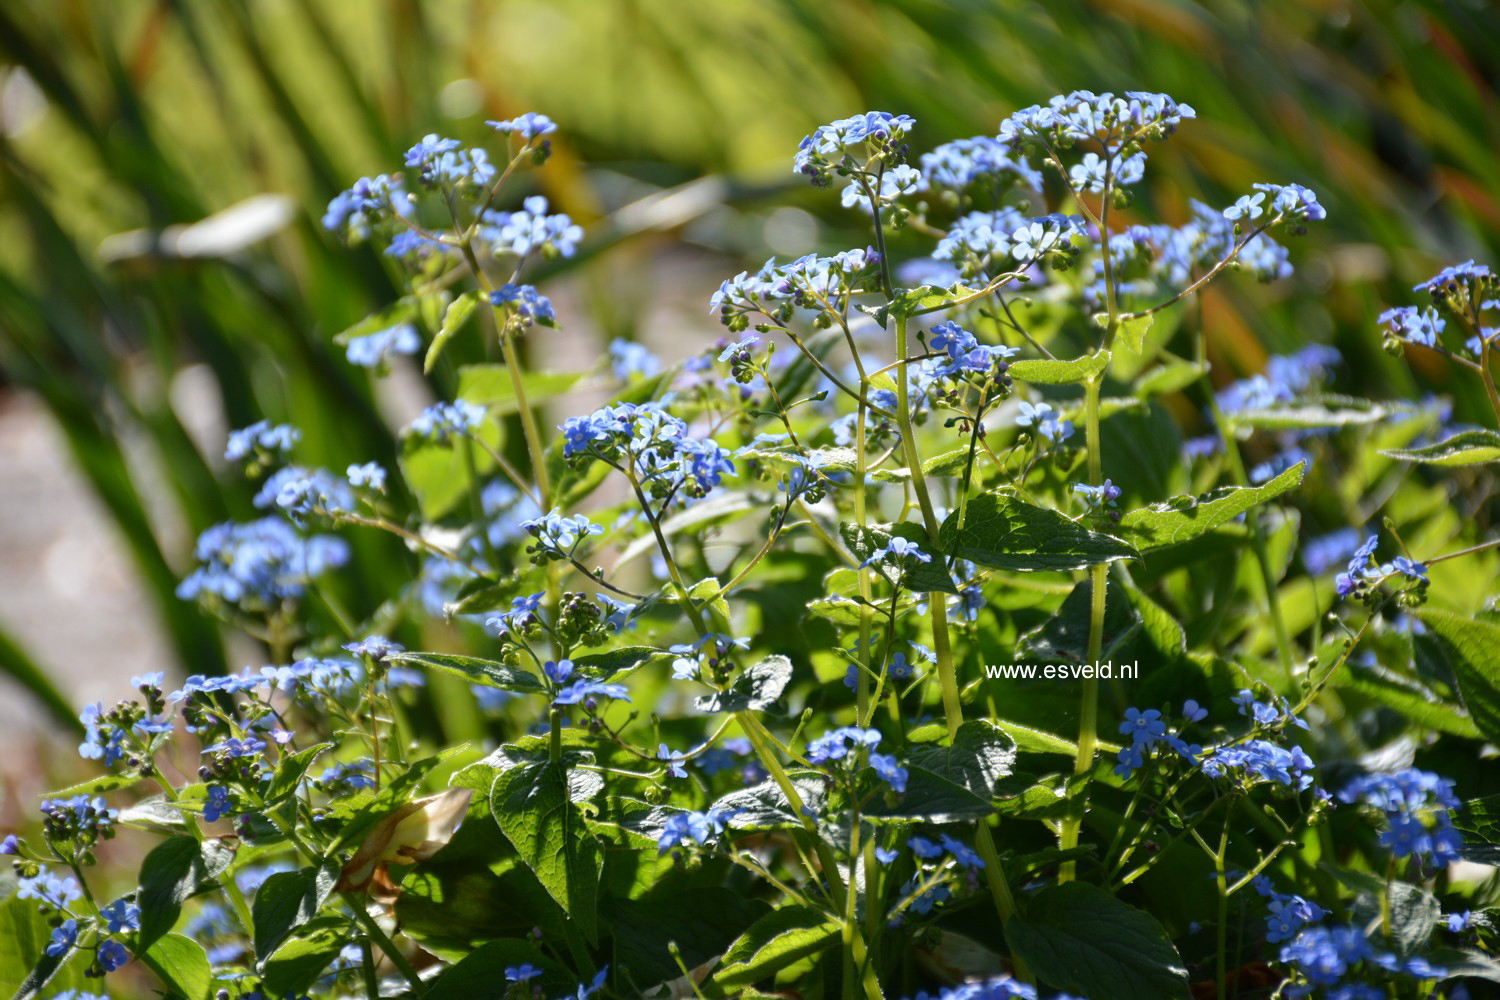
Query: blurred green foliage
x,y
132,117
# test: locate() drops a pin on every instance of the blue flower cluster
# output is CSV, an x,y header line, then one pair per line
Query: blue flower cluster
x,y
689,827
1324,956
305,493
375,350
1363,573
557,537
1287,915
255,566
443,164
1417,806
527,126
581,691
1046,421
1147,728
895,182
1082,114
822,284
260,439
830,146
898,552
530,229
79,820
526,306
648,443
981,160
441,422
928,850
965,356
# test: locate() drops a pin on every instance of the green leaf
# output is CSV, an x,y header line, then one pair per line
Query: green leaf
x,y
290,770
1479,822
1182,518
439,473
1131,333
1414,914
931,798
182,965
97,786
1167,378
765,807
1464,448
756,689
1416,703
1005,532
1331,411
175,870
396,793
1052,372
1464,962
773,942
533,809
425,310
949,463
1077,937
25,967
702,922
301,959
618,661
477,974
490,385
920,577
981,754
486,672
454,317
286,901
1473,649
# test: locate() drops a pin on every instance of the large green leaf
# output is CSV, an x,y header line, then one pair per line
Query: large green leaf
x,y
486,672
1182,518
931,798
491,386
286,901
1053,372
182,965
479,972
1473,649
1479,821
1077,937
290,770
534,810
765,807
439,473
1330,411
1005,532
702,922
1464,448
757,689
307,951
772,943
982,753
174,870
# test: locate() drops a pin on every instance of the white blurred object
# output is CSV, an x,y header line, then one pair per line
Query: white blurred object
x,y
222,234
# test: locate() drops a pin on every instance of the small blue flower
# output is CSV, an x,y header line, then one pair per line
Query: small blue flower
x,y
122,915
890,771
886,855
897,551
112,955
673,760
64,936
375,350
521,973
528,126
1192,712
370,474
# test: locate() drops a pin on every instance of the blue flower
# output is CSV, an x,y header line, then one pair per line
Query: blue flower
x,y
693,827
580,690
64,936
890,771
121,915
885,855
898,551
442,421
1045,420
963,854
217,803
1105,494
627,358
530,229
370,474
260,436
376,647
1192,712
924,848
375,350
673,761
1417,806
1246,207
442,163
11,845
528,126
1294,201
112,955
521,973
835,744
50,890
826,148
1143,728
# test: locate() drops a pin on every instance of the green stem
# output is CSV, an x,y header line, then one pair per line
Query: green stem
x,y
1088,706
376,934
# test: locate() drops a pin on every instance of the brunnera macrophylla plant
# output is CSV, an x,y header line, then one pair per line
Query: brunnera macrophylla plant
x,y
795,661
